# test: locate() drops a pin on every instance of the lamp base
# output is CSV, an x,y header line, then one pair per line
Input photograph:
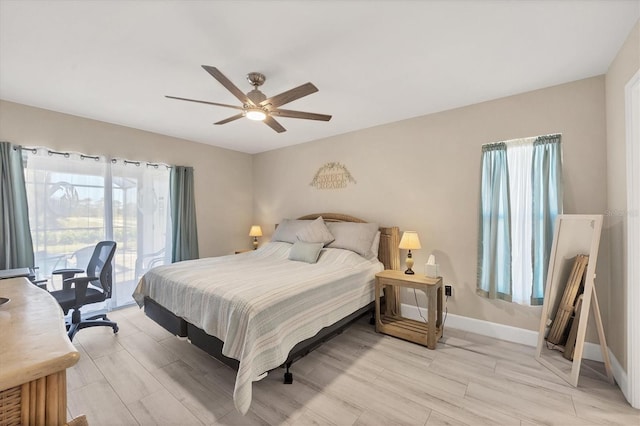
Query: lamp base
x,y
255,243
409,264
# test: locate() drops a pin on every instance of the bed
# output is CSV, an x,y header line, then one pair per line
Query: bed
x,y
259,310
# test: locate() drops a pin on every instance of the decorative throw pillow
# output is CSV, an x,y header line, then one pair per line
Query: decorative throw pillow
x,y
305,252
315,232
357,237
287,229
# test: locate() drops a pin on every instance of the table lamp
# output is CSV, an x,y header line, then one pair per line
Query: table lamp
x,y
255,232
409,241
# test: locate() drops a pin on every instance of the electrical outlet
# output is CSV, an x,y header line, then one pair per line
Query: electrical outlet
x,y
447,290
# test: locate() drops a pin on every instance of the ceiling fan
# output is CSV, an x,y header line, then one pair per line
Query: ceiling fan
x,y
256,106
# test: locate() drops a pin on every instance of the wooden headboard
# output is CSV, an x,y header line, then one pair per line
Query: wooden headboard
x,y
388,253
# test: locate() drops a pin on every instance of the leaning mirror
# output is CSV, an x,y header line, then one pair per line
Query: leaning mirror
x,y
569,295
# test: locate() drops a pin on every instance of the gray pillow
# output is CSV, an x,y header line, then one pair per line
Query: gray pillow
x,y
357,237
287,230
305,252
315,232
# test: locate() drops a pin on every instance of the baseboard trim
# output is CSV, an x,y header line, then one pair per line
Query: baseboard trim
x,y
622,379
499,331
522,336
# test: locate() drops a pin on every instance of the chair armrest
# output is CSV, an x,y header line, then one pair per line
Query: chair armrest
x,y
80,285
41,283
68,271
66,274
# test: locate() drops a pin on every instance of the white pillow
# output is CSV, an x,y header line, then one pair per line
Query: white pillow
x,y
375,246
305,252
357,237
315,232
287,230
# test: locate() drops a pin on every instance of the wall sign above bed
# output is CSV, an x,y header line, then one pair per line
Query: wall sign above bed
x,y
332,176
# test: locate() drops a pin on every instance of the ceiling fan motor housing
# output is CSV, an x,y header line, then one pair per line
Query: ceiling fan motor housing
x,y
256,96
256,79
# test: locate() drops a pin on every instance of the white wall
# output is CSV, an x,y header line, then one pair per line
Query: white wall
x,y
223,178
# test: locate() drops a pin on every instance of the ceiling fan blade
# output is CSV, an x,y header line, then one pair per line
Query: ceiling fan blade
x,y
230,119
290,95
269,121
215,72
203,102
300,114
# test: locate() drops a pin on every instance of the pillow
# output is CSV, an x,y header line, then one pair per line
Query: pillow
x,y
287,229
375,246
305,252
315,232
357,237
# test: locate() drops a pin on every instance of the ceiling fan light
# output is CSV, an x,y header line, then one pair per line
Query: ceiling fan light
x,y
255,114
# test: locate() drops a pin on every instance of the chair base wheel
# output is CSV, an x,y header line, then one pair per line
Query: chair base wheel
x,y
93,321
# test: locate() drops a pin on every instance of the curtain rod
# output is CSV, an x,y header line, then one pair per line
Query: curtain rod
x,y
551,135
34,150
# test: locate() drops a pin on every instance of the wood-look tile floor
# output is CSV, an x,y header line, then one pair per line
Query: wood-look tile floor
x,y
144,375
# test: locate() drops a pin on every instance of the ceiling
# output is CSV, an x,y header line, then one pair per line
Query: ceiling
x,y
374,62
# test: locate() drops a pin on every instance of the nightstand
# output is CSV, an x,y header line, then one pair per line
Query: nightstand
x,y
243,251
392,323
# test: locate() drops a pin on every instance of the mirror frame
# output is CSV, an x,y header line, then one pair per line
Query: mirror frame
x,y
595,223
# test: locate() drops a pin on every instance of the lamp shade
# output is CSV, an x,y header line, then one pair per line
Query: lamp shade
x,y
410,241
255,231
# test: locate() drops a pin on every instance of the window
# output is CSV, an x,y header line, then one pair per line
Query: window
x,y
519,157
76,201
520,197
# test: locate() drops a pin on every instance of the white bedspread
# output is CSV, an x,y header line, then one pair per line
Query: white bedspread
x,y
260,304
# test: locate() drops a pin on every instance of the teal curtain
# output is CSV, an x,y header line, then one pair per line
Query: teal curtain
x,y
17,245
547,204
494,240
183,215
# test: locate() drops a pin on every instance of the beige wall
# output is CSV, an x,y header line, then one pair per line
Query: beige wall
x,y
419,174
223,182
624,66
422,174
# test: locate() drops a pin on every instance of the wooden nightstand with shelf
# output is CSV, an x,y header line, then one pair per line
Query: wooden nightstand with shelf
x,y
392,323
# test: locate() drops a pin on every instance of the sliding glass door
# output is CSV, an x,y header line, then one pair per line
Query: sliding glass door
x,y
77,200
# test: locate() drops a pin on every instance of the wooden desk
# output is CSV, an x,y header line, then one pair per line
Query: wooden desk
x,y
395,325
34,355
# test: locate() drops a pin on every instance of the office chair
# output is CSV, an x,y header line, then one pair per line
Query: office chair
x,y
76,291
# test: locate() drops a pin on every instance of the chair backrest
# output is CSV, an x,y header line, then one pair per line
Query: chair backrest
x,y
100,265
81,257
